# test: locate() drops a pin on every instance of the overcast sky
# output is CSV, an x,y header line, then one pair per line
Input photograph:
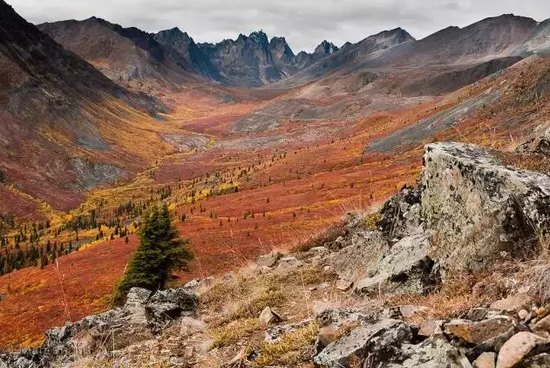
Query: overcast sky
x,y
304,23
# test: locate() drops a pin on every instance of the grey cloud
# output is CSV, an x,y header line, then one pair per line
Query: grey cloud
x,y
304,23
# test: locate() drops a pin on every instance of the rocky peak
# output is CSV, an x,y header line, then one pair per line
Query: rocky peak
x,y
326,48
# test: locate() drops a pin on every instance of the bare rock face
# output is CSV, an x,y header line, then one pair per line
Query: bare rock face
x,y
362,258
406,269
479,209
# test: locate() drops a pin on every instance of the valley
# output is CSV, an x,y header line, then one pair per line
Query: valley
x,y
248,159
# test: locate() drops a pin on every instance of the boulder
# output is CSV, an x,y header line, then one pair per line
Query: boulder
x,y
513,303
485,360
362,258
135,305
406,269
269,316
166,305
432,353
520,347
478,332
372,343
542,327
479,209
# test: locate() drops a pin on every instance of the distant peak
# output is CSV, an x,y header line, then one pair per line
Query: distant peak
x,y
326,48
259,36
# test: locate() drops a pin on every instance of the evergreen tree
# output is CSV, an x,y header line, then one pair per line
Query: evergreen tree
x,y
160,252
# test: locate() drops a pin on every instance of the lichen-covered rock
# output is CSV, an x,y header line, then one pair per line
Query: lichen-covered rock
x,y
432,353
362,258
538,142
478,332
166,305
479,208
373,343
401,214
406,269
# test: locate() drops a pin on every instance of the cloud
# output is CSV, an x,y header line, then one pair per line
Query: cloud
x,y
304,23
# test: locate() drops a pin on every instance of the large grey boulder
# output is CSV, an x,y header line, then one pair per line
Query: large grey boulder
x,y
362,258
374,343
406,269
166,305
480,210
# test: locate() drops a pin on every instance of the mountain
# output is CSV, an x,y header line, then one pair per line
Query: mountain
x,y
125,55
245,61
325,48
55,112
186,47
328,57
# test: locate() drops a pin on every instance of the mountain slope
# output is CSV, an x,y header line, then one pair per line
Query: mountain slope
x,y
62,117
188,49
125,55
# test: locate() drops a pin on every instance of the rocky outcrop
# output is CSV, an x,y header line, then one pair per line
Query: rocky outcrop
x,y
480,210
140,319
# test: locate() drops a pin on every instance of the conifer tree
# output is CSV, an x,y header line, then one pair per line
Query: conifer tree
x,y
160,252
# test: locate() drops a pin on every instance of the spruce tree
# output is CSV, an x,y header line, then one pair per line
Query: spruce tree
x,y
160,252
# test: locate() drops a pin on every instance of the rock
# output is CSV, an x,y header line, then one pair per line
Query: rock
x,y
496,343
274,333
190,326
521,346
287,264
485,360
171,303
430,327
269,260
477,314
269,316
406,269
193,284
326,315
542,327
538,361
344,285
538,142
364,343
362,258
135,304
478,332
408,311
401,215
432,353
524,315
479,209
513,303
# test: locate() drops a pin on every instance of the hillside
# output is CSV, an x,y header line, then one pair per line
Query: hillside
x,y
126,55
255,148
62,118
403,286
